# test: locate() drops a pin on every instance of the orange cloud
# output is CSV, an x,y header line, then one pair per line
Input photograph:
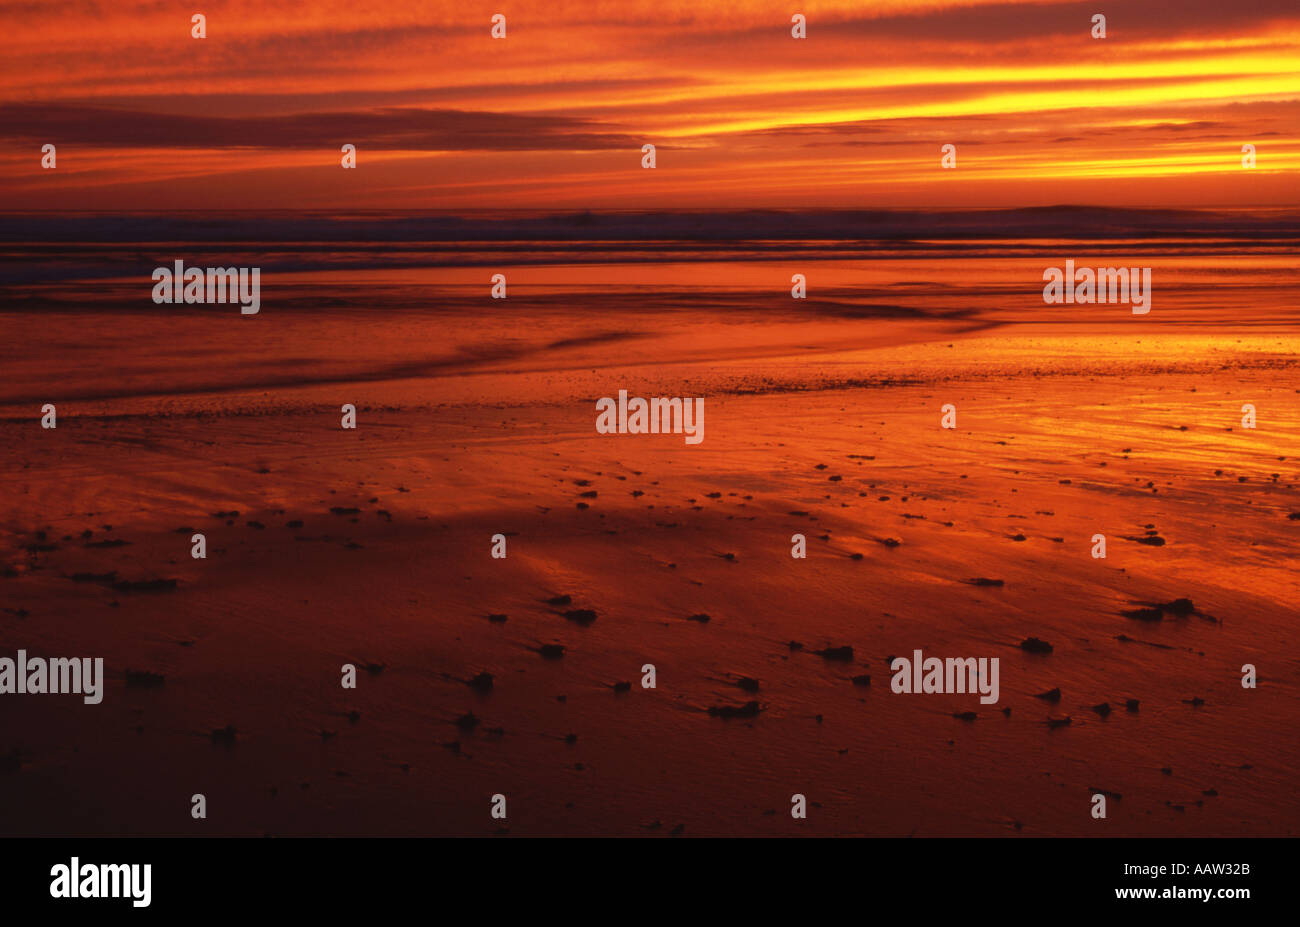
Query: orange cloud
x,y
742,114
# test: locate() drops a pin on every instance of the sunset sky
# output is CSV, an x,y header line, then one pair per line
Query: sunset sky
x,y
554,116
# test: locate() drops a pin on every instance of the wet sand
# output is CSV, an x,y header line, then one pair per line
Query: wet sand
x,y
372,547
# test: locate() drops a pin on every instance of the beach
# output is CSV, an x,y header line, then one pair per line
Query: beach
x,y
475,417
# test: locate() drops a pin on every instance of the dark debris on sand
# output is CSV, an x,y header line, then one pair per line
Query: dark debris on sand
x,y
747,710
108,578
1034,645
1155,611
1151,540
144,679
145,585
